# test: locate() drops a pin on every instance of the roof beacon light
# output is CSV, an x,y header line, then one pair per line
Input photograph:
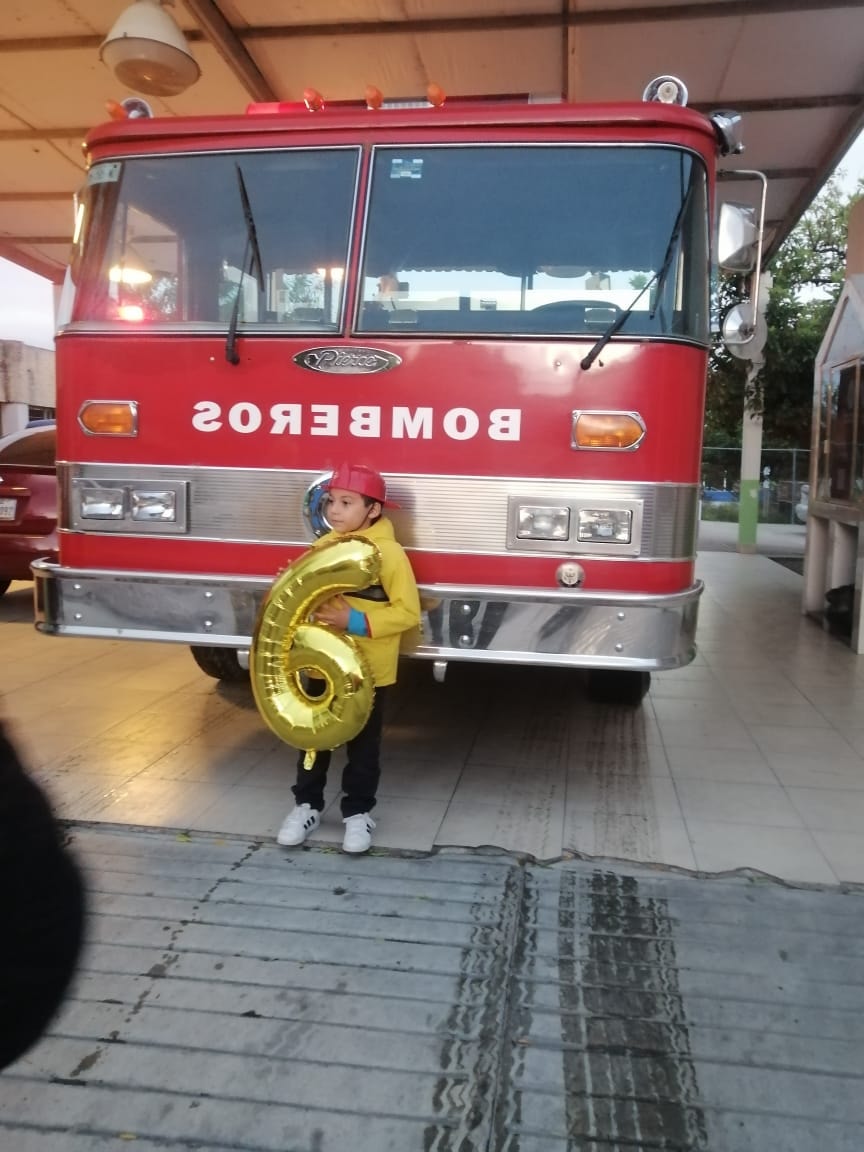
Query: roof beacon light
x,y
374,98
313,99
666,90
436,95
132,108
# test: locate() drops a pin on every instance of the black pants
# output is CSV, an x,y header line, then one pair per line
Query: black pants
x,y
359,776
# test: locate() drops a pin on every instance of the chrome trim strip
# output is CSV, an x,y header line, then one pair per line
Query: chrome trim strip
x,y
266,506
499,625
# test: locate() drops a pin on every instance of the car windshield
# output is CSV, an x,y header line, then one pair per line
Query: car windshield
x,y
36,448
542,239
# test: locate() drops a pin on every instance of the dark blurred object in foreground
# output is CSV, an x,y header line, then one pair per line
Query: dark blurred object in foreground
x,y
41,910
839,610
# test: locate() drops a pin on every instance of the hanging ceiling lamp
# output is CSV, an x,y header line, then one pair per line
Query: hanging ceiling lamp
x,y
147,51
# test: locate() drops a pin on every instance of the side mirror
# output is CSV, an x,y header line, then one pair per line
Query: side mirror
x,y
741,336
737,238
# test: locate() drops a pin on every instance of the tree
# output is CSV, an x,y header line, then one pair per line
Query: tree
x,y
808,273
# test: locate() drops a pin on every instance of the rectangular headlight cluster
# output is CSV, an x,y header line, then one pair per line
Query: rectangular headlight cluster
x,y
610,527
614,525
129,507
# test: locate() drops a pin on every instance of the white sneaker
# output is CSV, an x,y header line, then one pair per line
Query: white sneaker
x,y
358,833
297,825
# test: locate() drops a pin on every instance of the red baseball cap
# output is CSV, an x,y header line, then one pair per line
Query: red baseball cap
x,y
359,478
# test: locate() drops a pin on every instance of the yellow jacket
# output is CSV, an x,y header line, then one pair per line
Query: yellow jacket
x,y
387,619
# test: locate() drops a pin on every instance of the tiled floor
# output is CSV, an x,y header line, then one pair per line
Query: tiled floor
x,y
753,757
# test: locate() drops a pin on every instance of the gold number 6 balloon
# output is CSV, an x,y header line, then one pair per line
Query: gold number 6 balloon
x,y
286,643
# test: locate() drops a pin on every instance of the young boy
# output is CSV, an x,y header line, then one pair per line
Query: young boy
x,y
376,618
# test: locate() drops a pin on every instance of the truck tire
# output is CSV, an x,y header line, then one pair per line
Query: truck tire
x,y
220,663
608,686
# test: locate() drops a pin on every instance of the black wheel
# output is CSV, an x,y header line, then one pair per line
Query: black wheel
x,y
220,663
4,584
607,686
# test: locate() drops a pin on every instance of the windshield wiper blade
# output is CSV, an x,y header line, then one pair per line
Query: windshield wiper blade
x,y
658,279
670,250
251,230
252,260
618,323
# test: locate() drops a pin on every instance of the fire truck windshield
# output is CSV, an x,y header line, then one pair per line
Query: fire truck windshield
x,y
166,239
537,239
489,239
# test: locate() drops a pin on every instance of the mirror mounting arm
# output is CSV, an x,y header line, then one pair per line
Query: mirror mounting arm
x,y
756,274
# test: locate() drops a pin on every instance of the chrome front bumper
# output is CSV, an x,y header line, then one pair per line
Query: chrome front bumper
x,y
503,625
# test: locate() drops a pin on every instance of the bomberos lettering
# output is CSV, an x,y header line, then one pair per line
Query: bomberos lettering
x,y
373,422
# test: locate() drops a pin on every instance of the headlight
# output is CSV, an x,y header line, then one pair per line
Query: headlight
x,y
605,524
538,522
102,504
157,505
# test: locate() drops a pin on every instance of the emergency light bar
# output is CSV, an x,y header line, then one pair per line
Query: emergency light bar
x,y
375,100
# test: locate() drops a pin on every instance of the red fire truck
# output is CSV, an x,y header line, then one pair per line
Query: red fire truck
x,y
502,306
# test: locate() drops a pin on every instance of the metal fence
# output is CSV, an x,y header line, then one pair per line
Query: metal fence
x,y
783,473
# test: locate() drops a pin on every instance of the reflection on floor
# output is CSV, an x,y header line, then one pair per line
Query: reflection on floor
x,y
752,757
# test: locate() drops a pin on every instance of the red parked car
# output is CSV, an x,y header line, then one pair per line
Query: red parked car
x,y
28,501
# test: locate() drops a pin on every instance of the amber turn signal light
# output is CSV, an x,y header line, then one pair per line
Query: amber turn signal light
x,y
109,417
607,430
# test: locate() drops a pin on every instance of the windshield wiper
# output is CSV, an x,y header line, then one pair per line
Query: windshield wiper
x,y
674,236
658,279
252,259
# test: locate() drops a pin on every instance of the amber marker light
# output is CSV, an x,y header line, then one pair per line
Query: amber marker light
x,y
109,417
374,97
313,99
436,95
604,430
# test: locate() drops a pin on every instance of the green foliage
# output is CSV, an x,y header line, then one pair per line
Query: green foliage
x,y
808,273
728,513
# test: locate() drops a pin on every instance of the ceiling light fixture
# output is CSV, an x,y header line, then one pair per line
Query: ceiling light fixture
x,y
147,51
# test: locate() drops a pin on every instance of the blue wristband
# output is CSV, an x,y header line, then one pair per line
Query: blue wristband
x,y
357,625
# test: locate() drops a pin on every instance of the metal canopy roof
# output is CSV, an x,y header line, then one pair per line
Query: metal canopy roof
x,y
794,68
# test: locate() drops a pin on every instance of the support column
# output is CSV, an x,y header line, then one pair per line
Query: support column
x,y
751,456
751,431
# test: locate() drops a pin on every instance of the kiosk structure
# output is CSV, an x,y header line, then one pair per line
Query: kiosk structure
x,y
834,556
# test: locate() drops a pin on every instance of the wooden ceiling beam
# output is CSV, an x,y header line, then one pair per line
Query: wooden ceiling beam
x,y
518,21
41,267
230,47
